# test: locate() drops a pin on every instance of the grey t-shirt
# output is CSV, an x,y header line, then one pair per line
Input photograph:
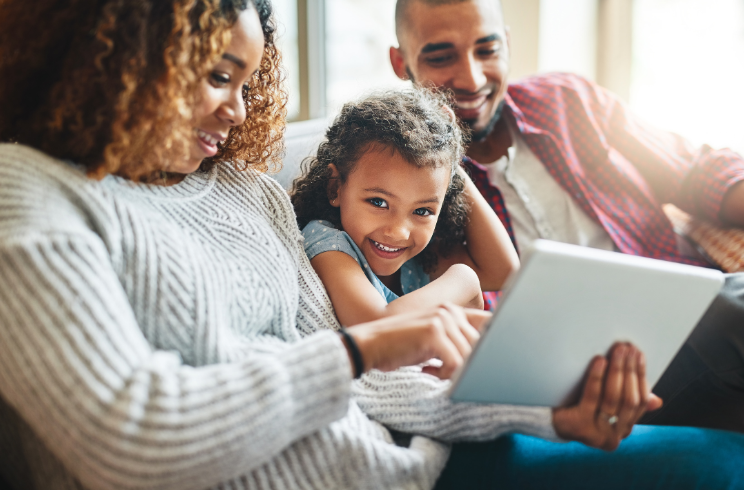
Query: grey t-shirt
x,y
322,236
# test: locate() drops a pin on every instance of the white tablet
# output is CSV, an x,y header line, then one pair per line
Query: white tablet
x,y
569,303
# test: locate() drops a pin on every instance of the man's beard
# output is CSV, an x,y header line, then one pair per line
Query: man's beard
x,y
483,133
474,135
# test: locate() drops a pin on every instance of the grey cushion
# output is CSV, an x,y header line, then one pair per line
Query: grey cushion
x,y
301,140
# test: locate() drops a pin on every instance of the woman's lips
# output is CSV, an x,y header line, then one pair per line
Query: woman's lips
x,y
385,251
208,142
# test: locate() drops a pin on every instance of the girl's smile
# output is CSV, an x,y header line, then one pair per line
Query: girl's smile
x,y
387,252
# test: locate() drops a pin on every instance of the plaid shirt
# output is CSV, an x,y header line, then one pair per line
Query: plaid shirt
x,y
619,170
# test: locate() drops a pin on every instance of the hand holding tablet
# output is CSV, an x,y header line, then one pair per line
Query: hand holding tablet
x,y
615,396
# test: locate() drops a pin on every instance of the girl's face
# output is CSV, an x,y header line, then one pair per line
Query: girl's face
x,y
390,207
221,103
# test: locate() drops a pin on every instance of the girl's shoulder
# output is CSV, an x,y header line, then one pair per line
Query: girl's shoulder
x,y
322,236
320,226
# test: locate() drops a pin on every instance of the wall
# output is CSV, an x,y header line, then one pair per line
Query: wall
x,y
523,19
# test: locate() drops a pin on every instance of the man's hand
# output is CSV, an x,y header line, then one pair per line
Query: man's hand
x,y
614,398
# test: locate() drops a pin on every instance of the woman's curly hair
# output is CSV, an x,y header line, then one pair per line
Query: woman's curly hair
x,y
111,84
415,123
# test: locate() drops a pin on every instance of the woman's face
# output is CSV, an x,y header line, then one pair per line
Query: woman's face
x,y
221,105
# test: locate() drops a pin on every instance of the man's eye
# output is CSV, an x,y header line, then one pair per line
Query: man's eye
x,y
492,50
487,52
423,212
378,202
219,79
439,60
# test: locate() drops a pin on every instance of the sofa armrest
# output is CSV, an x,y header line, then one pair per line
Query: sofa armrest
x,y
721,246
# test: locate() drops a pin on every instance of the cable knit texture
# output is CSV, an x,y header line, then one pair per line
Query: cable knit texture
x,y
178,338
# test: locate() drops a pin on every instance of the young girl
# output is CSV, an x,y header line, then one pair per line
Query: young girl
x,y
387,211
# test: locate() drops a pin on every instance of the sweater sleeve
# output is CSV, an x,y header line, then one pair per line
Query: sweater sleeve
x,y
119,414
410,401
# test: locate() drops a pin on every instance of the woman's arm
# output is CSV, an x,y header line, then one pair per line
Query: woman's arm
x,y
404,400
356,300
119,413
488,249
409,402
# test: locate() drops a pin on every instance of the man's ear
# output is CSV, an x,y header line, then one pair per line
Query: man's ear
x,y
334,183
398,62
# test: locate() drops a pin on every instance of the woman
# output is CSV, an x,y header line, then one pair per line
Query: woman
x,y
161,327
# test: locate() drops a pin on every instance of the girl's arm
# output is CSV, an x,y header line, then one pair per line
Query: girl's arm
x,y
356,300
488,249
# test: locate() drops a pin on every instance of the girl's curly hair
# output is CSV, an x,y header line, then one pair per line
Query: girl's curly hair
x,y
415,123
111,84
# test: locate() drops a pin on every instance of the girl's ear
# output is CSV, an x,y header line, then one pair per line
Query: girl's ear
x,y
334,183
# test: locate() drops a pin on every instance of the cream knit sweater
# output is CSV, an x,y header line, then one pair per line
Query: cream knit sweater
x,y
178,338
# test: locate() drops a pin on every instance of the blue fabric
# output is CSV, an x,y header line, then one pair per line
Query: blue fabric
x,y
322,236
651,458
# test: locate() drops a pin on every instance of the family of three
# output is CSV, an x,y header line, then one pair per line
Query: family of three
x,y
161,324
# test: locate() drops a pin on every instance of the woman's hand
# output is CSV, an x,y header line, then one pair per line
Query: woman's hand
x,y
446,333
614,398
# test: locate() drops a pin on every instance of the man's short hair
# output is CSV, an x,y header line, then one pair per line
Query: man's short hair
x,y
401,6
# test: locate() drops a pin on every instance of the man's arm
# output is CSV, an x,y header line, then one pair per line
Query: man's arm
x,y
701,180
697,179
732,209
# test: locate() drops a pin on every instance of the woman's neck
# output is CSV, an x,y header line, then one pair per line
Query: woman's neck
x,y
169,179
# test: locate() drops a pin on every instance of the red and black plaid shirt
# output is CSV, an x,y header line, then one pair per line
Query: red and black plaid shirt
x,y
618,169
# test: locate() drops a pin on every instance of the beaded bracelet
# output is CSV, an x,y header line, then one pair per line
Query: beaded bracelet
x,y
356,355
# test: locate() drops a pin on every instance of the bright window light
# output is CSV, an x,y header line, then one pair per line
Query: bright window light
x,y
359,34
688,68
286,17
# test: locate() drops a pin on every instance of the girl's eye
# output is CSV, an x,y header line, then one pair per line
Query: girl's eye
x,y
378,202
219,79
423,212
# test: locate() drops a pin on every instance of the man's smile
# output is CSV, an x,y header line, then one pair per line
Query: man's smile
x,y
469,107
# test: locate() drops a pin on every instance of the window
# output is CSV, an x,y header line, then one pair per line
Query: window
x,y
358,36
688,68
568,37
679,63
286,40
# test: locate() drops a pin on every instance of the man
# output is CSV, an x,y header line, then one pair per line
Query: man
x,y
560,158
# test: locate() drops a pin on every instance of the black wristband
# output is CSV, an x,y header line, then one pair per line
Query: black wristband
x,y
356,355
